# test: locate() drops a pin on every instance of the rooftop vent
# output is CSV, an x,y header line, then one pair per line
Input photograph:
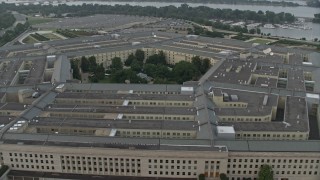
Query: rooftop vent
x,y
265,100
234,97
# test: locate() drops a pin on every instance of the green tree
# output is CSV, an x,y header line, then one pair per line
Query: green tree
x,y
258,31
121,76
100,71
202,65
161,81
196,61
265,172
92,63
157,59
185,71
130,59
223,176
116,64
252,31
157,71
85,64
75,69
162,57
140,55
201,177
136,65
206,64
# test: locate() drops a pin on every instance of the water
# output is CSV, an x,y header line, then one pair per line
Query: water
x,y
300,11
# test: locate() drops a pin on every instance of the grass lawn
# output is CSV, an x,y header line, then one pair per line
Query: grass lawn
x,y
260,41
105,80
51,36
39,20
29,40
83,33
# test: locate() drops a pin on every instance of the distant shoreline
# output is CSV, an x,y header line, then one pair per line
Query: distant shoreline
x,y
231,2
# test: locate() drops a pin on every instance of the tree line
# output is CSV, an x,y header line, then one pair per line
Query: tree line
x,y
9,35
201,14
316,18
249,2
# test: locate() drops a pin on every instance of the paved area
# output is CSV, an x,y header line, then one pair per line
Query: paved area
x,y
98,22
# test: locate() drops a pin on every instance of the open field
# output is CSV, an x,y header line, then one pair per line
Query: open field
x,y
51,36
261,40
29,40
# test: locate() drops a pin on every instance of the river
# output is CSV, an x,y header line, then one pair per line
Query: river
x,y
300,11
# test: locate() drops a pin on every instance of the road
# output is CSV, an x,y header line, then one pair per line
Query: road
x,y
16,39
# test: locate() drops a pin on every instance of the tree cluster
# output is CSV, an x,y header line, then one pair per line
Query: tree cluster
x,y
39,37
121,75
6,20
66,33
249,2
75,69
97,71
156,66
265,172
316,18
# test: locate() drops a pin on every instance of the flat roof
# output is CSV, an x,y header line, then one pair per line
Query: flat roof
x,y
254,100
296,80
122,109
146,124
266,82
234,71
123,96
36,71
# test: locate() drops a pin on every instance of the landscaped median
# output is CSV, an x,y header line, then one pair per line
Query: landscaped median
x,y
3,171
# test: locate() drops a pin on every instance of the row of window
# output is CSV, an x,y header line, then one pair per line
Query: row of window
x,y
135,92
36,167
100,158
119,102
77,115
275,166
172,161
158,117
160,103
172,167
30,155
104,170
172,173
271,136
21,160
162,134
276,172
242,119
248,160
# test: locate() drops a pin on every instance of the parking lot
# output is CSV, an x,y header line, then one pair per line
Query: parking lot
x,y
97,22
